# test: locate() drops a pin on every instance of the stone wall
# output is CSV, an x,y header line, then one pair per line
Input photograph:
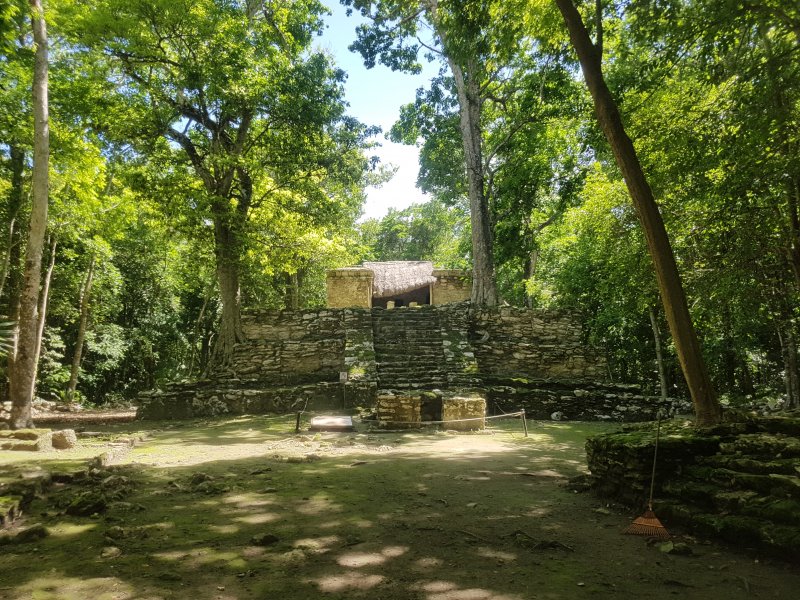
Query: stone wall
x,y
459,356
399,410
472,408
452,285
533,343
290,360
290,346
327,359
350,287
737,481
577,400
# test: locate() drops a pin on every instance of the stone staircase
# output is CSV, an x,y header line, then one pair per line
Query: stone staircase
x,y
738,481
748,493
409,350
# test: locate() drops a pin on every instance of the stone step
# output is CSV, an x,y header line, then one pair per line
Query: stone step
x,y
412,386
409,376
745,531
744,464
763,445
411,359
407,348
438,376
388,337
406,382
774,484
412,376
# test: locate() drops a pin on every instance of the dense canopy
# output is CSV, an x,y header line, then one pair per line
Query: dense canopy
x,y
203,160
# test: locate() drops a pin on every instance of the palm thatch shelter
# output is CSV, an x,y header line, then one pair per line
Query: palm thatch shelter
x,y
396,283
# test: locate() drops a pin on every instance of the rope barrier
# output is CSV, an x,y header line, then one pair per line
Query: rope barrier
x,y
520,413
516,414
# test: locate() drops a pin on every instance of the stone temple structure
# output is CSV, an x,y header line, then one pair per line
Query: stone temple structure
x,y
396,284
431,357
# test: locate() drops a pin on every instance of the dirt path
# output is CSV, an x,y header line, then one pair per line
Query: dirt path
x,y
243,509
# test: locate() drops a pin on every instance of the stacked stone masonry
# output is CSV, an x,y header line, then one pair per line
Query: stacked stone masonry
x,y
339,358
350,287
737,481
452,285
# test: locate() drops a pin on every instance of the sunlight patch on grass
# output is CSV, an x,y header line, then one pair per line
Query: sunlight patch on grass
x,y
348,581
360,523
258,518
224,529
366,559
496,554
173,555
318,505
427,563
61,587
70,529
447,590
318,545
247,500
356,560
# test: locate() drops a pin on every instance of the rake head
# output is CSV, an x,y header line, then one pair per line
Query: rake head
x,y
648,525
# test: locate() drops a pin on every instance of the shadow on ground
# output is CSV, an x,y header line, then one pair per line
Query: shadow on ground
x,y
242,508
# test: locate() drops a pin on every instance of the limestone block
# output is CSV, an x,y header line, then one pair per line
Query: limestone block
x,y
350,287
64,439
464,407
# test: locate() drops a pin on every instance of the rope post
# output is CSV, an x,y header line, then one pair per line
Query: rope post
x,y
297,422
524,423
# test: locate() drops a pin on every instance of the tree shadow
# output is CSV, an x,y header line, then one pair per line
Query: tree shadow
x,y
437,517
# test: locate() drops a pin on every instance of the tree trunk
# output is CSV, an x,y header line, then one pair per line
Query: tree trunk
x,y
226,249
662,373
706,405
23,373
791,374
44,299
11,260
530,271
292,296
484,290
196,335
86,291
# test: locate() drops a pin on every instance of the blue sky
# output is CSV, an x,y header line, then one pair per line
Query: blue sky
x,y
375,97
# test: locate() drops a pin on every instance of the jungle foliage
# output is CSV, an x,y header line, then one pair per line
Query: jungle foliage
x,y
202,161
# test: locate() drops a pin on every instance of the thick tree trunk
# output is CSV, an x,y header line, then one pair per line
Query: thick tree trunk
x,y
706,405
662,373
23,373
226,249
85,302
484,290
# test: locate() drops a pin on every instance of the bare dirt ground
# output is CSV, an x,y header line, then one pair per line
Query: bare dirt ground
x,y
244,508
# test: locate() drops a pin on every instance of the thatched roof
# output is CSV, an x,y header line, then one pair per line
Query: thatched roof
x,y
399,276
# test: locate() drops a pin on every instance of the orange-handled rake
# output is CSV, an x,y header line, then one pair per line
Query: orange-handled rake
x,y
648,524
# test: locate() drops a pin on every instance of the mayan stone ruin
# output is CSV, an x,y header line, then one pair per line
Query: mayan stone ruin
x,y
474,361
